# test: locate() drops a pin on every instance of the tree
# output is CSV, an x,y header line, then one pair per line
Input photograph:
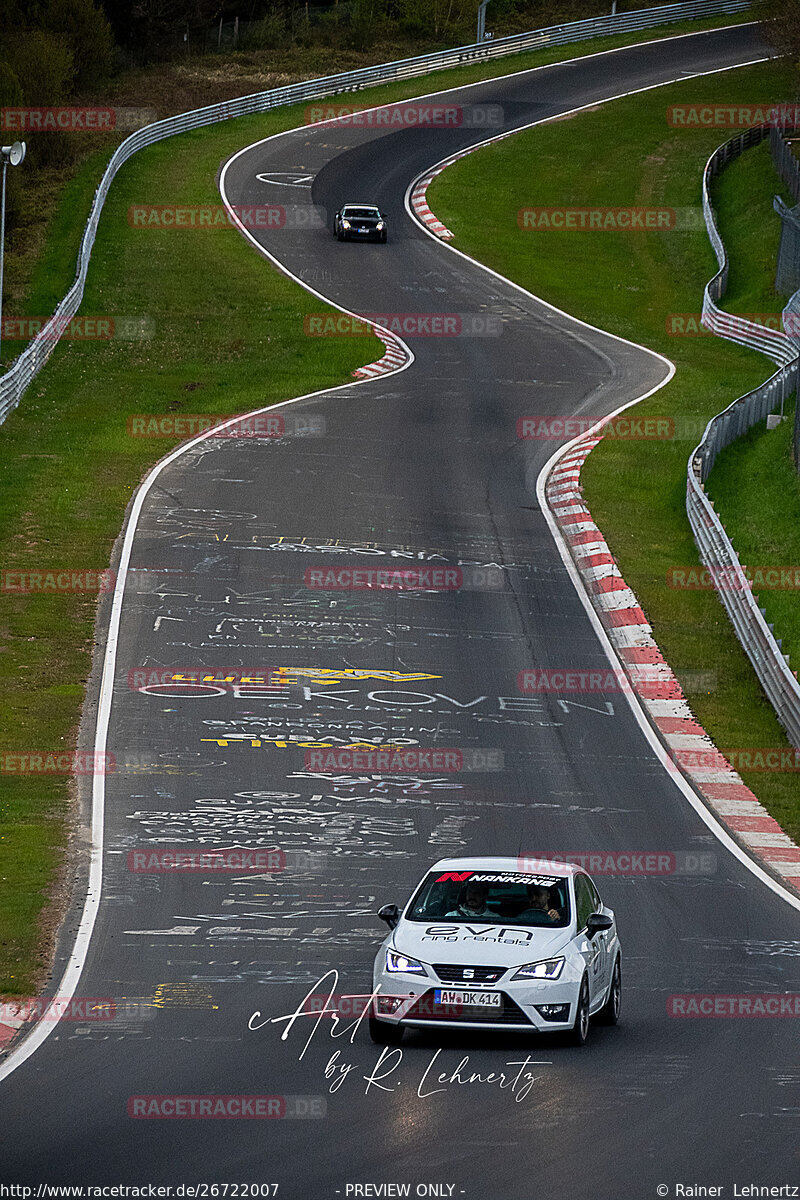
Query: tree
x,y
156,24
42,62
19,14
782,25
11,97
85,29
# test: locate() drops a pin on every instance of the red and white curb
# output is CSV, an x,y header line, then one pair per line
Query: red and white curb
x,y
396,356
418,198
11,1024
652,679
420,205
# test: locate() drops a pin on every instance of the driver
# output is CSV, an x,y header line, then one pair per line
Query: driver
x,y
472,902
540,903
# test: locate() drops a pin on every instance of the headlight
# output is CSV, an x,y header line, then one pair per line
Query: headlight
x,y
400,962
345,224
381,225
550,968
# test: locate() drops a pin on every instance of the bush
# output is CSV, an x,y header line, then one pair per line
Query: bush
x,y
11,97
368,20
267,34
10,90
332,24
88,35
782,25
42,62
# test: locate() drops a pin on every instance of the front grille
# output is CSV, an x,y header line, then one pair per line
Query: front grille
x,y
454,973
426,1010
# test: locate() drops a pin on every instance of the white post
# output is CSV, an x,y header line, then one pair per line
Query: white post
x,y
14,155
482,20
2,246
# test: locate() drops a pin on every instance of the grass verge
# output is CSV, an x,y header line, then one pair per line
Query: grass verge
x,y
632,284
742,197
755,488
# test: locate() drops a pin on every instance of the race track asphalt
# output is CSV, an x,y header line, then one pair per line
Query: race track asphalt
x,y
419,468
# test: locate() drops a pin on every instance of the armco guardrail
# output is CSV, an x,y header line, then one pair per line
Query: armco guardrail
x,y
716,551
36,354
791,323
787,164
771,342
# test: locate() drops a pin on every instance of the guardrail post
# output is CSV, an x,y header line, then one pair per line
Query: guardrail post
x,y
481,35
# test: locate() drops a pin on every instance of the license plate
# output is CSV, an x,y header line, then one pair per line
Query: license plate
x,y
363,229
469,999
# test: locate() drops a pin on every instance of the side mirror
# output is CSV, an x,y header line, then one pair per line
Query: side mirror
x,y
390,913
596,923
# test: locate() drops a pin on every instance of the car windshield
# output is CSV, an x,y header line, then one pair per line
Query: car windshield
x,y
359,213
514,899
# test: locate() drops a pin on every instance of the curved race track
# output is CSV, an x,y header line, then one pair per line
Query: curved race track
x,y
420,467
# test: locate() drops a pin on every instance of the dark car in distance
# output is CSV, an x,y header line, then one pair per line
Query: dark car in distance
x,y
360,222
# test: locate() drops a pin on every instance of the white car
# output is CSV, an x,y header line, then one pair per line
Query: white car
x,y
498,943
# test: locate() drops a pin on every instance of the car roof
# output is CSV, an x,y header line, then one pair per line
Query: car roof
x,y
527,864
356,204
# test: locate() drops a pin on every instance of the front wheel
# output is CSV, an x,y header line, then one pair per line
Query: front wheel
x,y
384,1034
384,238
609,1013
580,1030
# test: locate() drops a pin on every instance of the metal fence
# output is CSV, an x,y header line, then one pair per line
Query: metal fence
x,y
769,341
786,162
14,382
716,551
787,272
